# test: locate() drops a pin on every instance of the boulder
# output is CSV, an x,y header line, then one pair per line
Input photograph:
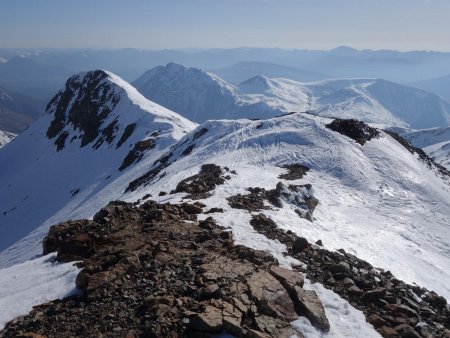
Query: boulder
x,y
210,320
311,307
287,278
299,245
272,298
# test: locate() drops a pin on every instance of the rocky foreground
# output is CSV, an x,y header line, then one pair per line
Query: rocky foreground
x,y
155,270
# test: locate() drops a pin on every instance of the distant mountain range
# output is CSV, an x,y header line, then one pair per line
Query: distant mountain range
x,y
242,71
17,111
200,95
342,62
25,75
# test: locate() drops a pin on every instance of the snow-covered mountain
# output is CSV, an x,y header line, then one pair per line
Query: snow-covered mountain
x,y
17,111
435,142
197,94
77,157
101,140
200,95
5,137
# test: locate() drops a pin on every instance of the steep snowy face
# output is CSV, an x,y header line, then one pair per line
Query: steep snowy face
x,y
435,142
5,137
196,94
376,199
77,157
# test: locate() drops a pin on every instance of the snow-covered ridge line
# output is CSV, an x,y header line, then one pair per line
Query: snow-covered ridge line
x,y
365,197
201,96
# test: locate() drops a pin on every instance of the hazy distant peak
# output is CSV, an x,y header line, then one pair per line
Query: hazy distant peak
x,y
343,50
258,82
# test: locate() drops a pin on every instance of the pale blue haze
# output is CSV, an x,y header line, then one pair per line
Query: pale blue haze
x,y
314,24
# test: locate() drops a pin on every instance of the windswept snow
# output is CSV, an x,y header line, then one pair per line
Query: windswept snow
x,y
34,282
377,201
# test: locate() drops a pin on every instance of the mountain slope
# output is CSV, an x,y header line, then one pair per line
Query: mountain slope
x,y
369,100
73,159
242,71
439,86
197,94
435,142
351,186
17,111
24,75
377,201
200,96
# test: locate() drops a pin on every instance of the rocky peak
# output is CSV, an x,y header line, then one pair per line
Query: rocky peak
x,y
84,103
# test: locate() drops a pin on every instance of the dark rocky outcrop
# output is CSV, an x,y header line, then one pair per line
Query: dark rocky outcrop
x,y
155,271
200,185
83,105
294,172
356,130
128,131
301,196
136,154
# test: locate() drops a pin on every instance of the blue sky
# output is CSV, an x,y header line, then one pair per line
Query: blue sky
x,y
312,24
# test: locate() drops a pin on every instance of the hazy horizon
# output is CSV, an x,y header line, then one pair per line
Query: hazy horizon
x,y
403,25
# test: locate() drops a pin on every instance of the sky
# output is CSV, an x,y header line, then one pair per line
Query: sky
x,y
149,24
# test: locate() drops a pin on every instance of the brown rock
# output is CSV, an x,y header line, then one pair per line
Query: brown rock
x,y
210,320
400,308
406,331
210,291
232,318
386,331
311,307
373,296
377,321
287,278
271,296
256,334
29,335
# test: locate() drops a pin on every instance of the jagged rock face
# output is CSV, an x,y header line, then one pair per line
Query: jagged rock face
x,y
82,106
